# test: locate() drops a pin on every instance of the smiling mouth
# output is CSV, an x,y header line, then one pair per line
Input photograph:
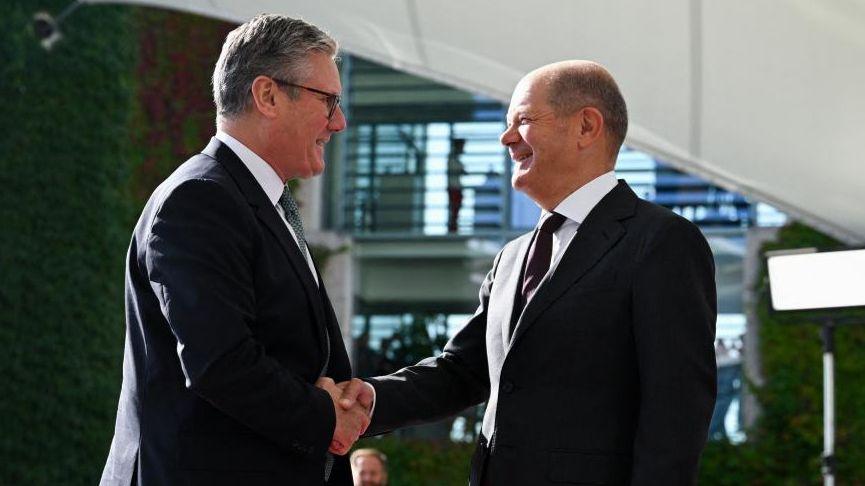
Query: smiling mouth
x,y
523,159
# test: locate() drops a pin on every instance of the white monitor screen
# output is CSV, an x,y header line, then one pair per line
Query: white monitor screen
x,y
817,280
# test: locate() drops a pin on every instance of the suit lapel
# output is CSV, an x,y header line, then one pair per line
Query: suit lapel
x,y
501,305
267,214
600,232
336,368
275,224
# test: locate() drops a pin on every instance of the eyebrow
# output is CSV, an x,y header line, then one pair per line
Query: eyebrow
x,y
519,112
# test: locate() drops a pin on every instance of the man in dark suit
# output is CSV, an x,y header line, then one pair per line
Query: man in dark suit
x,y
229,326
593,341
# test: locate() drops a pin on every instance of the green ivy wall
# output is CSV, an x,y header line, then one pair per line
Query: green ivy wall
x,y
65,162
87,131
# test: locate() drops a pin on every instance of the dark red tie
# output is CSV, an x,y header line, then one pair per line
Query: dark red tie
x,y
540,254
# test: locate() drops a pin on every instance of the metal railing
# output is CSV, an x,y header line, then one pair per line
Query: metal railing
x,y
422,203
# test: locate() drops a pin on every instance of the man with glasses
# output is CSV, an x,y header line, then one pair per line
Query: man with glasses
x,y
331,99
229,327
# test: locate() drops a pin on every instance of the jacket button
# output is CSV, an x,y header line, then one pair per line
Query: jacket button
x,y
507,386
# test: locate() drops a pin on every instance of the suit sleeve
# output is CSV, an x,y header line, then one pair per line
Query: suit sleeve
x,y
199,262
674,329
440,386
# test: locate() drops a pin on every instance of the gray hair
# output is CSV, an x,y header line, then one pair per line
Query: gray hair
x,y
269,45
573,89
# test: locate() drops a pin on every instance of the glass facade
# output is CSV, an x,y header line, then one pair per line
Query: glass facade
x,y
397,178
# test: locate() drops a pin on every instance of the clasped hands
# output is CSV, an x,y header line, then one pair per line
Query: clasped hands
x,y
352,401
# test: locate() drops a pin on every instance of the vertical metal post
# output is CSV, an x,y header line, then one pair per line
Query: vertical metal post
x,y
341,196
828,335
372,199
506,197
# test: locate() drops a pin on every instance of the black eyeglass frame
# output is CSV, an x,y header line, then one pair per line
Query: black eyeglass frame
x,y
332,100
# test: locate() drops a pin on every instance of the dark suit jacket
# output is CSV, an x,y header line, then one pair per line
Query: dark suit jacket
x,y
610,375
225,338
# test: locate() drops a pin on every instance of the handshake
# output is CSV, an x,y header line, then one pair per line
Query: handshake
x,y
352,401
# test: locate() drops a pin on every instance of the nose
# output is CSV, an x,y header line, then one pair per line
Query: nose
x,y
337,122
509,136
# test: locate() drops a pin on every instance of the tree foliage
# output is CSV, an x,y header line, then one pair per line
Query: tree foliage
x,y
786,443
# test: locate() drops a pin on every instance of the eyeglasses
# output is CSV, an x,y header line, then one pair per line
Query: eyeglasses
x,y
332,99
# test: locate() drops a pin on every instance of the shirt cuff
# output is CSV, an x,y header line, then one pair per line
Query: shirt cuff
x,y
371,408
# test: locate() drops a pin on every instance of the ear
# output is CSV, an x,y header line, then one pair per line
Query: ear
x,y
590,126
264,93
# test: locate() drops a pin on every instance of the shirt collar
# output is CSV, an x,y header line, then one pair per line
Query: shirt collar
x,y
579,203
262,171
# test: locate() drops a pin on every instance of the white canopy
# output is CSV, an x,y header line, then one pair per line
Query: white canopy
x,y
764,97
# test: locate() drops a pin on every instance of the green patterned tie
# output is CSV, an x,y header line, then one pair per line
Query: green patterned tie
x,y
292,215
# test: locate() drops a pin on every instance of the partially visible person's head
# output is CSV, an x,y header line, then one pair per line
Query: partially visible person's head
x,y
276,80
369,467
566,124
458,145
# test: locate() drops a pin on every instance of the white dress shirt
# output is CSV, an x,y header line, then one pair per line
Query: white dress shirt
x,y
269,181
575,208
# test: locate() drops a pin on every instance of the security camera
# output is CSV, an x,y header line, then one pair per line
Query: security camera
x,y
46,29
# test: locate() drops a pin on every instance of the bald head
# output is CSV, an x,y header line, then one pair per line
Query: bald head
x,y
573,85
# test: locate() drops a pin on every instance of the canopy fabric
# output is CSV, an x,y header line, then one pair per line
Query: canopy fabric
x,y
763,97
